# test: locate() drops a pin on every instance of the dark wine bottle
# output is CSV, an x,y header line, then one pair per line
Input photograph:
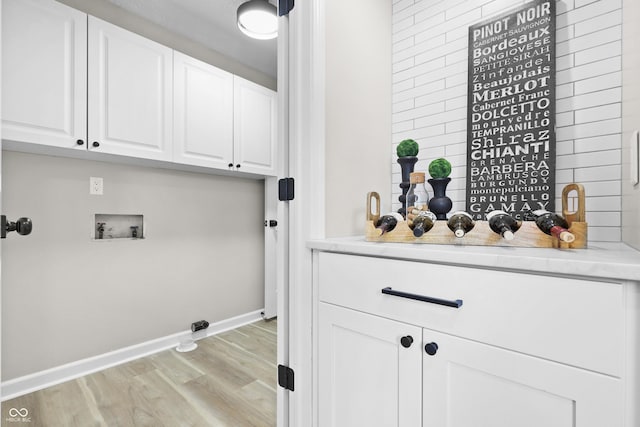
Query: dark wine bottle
x,y
554,225
460,223
422,222
388,222
503,224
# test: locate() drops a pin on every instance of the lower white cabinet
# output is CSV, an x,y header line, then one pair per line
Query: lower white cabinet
x,y
471,384
369,369
465,364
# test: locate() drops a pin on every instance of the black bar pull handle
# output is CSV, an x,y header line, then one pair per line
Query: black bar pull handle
x,y
455,304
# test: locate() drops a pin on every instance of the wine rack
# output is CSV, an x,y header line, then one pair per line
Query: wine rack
x,y
529,235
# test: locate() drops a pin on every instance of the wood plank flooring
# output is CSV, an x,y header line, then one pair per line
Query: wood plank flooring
x,y
228,381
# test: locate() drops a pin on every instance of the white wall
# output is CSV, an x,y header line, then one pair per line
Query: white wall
x,y
630,119
67,297
358,111
430,90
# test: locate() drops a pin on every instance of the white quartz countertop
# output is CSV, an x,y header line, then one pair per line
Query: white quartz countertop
x,y
615,261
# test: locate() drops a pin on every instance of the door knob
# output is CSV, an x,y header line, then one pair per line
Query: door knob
x,y
406,341
22,226
431,348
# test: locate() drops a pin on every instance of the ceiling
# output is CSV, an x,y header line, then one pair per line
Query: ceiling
x,y
211,23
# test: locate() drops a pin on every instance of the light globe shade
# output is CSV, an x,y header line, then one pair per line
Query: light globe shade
x,y
258,19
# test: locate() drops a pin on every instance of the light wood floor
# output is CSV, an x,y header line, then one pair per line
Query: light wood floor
x,y
229,380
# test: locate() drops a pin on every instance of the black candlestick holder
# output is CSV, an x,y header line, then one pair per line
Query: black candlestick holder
x,y
406,166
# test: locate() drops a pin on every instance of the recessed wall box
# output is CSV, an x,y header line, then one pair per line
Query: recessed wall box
x,y
118,226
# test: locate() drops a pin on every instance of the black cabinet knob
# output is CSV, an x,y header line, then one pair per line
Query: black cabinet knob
x,y
230,165
96,144
431,348
80,142
406,341
238,166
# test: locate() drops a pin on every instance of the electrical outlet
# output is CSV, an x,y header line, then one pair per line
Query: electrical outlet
x,y
96,186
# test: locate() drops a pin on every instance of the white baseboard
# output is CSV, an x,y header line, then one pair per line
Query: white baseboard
x,y
49,377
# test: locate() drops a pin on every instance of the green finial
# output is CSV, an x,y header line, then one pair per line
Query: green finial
x,y
439,168
407,148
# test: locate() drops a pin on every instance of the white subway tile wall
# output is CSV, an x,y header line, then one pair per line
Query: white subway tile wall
x,y
430,40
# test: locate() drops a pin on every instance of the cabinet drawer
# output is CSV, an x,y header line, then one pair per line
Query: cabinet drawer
x,y
576,322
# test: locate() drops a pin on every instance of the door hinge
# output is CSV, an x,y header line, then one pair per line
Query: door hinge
x,y
284,7
285,189
285,377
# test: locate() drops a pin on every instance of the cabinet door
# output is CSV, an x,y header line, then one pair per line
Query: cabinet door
x,y
130,93
470,384
254,127
44,74
366,376
203,113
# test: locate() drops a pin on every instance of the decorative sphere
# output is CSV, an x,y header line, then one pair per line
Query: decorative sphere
x,y
407,148
440,168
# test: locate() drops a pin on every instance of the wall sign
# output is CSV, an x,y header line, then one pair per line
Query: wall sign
x,y
511,111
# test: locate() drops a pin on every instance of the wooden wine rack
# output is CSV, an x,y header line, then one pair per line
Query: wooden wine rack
x,y
529,235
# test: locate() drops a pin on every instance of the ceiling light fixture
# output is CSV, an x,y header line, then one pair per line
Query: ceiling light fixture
x,y
258,19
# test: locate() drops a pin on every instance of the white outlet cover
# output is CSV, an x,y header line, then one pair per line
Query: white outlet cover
x,y
96,186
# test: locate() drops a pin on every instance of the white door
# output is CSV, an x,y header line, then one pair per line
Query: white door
x,y
44,79
470,384
369,370
1,135
282,231
255,127
130,93
203,113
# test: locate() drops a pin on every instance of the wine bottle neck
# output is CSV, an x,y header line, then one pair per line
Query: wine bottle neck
x,y
562,234
507,234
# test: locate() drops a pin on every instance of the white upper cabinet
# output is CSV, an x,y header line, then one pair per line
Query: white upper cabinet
x,y
130,93
203,114
74,81
44,73
255,127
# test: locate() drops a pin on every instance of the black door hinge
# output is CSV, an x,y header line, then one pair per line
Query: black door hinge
x,y
285,189
284,7
285,377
